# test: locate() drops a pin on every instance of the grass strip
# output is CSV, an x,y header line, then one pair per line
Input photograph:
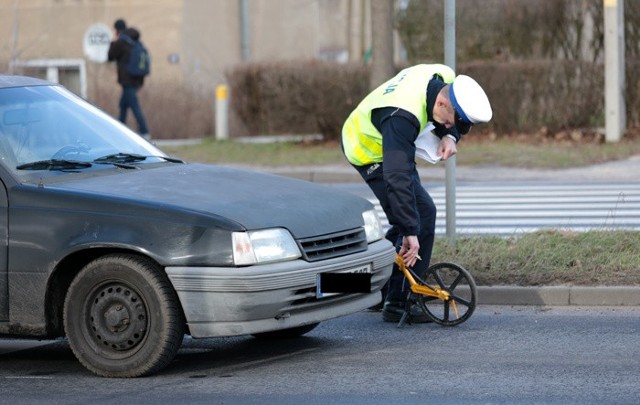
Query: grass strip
x,y
551,257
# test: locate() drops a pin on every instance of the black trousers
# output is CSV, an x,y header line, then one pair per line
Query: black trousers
x,y
397,288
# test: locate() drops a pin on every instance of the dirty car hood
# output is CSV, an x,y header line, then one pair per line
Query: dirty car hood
x,y
254,200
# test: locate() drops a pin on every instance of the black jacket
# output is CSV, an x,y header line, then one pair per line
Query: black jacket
x,y
119,51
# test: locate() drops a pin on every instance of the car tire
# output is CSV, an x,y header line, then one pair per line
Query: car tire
x,y
122,317
287,333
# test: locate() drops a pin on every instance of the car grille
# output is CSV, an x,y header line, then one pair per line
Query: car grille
x,y
333,245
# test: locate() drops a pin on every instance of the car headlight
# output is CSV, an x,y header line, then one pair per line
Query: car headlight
x,y
267,245
372,226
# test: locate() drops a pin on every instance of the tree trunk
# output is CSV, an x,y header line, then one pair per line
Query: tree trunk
x,y
381,41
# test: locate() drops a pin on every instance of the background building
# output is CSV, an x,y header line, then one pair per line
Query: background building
x,y
192,41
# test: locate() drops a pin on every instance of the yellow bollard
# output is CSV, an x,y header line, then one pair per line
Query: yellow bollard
x,y
222,112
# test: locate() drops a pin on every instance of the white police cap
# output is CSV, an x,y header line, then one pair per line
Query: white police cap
x,y
470,102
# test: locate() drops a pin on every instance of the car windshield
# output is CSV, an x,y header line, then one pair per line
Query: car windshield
x,y
50,124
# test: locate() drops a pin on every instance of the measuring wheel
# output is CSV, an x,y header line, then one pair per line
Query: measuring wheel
x,y
458,294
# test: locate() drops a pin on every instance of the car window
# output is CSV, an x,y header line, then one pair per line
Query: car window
x,y
41,123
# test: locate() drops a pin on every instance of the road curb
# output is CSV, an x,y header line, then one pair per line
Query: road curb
x,y
559,295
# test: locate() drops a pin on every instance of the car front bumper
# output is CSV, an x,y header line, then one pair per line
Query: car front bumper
x,y
230,301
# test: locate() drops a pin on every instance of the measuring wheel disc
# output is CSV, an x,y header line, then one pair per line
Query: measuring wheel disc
x,y
460,287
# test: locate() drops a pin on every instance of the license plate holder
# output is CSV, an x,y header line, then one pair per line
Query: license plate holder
x,y
354,280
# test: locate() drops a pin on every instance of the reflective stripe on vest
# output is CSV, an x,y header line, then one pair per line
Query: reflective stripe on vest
x,y
363,148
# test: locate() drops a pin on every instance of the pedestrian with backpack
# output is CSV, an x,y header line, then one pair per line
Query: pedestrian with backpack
x,y
133,62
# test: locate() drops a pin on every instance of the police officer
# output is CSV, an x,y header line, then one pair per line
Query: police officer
x,y
378,139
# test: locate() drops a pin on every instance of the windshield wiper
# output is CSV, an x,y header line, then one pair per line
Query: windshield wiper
x,y
131,158
170,159
54,164
120,158
120,165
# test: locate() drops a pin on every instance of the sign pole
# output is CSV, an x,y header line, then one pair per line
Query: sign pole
x,y
615,117
450,170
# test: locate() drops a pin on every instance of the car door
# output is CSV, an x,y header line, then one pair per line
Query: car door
x,y
4,246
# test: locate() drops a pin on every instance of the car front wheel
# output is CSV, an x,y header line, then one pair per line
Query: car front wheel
x,y
122,317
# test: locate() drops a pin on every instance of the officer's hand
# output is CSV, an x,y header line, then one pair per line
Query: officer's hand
x,y
447,148
409,250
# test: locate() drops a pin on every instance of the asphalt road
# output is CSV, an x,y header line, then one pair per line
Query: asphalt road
x,y
503,354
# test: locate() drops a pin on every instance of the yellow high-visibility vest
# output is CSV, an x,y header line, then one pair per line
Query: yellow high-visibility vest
x,y
407,90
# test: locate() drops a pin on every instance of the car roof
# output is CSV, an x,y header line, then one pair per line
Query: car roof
x,y
19,81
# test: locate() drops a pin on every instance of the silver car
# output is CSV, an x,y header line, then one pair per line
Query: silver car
x,y
123,249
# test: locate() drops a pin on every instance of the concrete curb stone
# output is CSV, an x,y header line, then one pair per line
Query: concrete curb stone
x,y
559,295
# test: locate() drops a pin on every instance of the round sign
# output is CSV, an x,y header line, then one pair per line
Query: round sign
x,y
96,42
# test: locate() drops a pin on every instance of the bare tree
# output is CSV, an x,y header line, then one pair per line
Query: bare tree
x,y
381,41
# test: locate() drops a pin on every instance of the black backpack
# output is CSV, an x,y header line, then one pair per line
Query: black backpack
x,y
139,59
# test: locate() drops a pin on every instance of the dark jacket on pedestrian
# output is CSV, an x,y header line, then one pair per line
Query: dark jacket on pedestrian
x,y
119,51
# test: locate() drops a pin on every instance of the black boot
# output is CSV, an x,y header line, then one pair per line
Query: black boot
x,y
392,311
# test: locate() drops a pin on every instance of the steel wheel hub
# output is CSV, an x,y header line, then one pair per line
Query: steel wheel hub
x,y
118,317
